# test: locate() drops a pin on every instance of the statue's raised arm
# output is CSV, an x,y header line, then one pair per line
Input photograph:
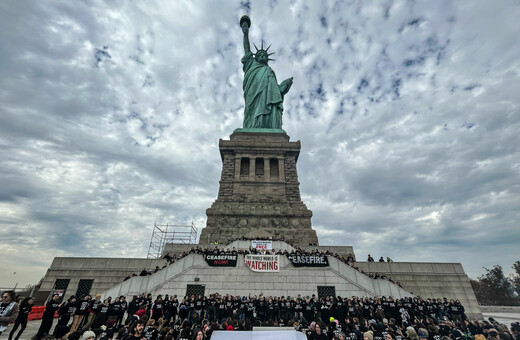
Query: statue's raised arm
x,y
245,22
262,94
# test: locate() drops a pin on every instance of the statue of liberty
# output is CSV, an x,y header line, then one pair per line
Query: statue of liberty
x,y
262,94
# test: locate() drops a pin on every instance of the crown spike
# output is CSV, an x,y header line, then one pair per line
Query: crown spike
x,y
255,47
270,53
271,59
267,49
262,44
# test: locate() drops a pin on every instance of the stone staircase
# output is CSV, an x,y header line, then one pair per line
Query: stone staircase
x,y
239,280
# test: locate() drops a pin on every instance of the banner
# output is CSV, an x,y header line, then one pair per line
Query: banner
x,y
262,244
223,260
263,263
309,260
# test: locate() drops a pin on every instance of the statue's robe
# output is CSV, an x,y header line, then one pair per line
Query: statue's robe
x,y
264,102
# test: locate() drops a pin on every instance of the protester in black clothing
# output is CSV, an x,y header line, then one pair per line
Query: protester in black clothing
x,y
183,310
21,319
173,308
229,307
133,306
114,309
82,310
124,306
136,331
210,308
158,308
200,303
93,309
320,332
47,317
261,309
221,309
150,332
101,315
65,312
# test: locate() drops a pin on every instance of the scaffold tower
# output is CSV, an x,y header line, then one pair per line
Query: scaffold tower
x,y
170,233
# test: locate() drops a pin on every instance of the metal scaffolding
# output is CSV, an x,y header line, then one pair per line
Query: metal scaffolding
x,y
170,233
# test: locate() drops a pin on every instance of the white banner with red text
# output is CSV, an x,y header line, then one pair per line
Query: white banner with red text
x,y
262,244
263,263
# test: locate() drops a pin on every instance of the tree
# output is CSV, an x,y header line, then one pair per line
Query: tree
x,y
493,288
514,279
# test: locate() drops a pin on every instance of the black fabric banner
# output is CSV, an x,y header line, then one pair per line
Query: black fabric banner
x,y
309,260
223,260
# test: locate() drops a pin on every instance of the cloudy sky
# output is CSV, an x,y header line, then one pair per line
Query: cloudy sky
x,y
408,113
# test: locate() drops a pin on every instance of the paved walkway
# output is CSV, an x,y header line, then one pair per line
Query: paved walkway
x,y
30,331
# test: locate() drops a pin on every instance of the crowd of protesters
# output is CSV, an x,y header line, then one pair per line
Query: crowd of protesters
x,y
196,317
215,250
170,318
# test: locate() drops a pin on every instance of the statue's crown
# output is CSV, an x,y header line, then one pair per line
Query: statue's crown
x,y
262,50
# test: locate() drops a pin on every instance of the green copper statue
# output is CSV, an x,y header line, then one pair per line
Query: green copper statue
x,y
263,96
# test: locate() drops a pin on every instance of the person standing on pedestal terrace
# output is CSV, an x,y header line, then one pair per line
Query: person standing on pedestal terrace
x,y
65,311
21,320
9,309
94,306
50,308
80,313
263,96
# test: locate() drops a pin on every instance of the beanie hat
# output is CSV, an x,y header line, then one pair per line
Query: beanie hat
x,y
88,334
369,335
230,328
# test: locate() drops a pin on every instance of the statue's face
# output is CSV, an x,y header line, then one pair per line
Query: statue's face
x,y
262,57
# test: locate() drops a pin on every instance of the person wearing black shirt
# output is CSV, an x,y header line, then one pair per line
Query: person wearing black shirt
x,y
92,311
173,308
325,309
455,309
307,310
81,311
65,311
48,315
21,319
101,314
158,308
114,309
270,309
229,307
133,306
191,306
150,332
199,305
221,310
136,331
339,309
124,306
183,310
289,306
261,309
320,332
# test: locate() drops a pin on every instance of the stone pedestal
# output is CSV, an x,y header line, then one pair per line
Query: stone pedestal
x,y
259,194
